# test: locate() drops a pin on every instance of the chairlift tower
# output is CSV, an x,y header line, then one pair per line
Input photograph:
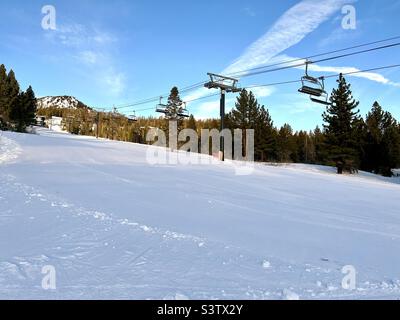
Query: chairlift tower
x,y
97,122
226,85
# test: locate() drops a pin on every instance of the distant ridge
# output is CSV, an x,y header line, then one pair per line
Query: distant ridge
x,y
61,102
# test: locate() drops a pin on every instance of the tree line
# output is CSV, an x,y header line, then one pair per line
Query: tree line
x,y
346,140
17,108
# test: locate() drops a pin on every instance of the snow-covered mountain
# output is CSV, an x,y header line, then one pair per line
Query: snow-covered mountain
x,y
62,102
115,226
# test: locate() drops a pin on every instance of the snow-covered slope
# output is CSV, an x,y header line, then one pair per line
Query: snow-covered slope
x,y
61,102
113,226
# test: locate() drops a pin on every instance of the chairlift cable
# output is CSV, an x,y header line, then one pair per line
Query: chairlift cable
x,y
321,60
315,56
299,81
200,84
287,82
326,77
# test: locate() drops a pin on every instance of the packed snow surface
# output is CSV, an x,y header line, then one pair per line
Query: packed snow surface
x,y
114,226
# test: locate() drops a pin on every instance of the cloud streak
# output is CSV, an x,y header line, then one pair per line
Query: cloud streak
x,y
92,49
372,76
291,28
351,71
76,35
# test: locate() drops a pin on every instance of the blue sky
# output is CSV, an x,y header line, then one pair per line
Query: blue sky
x,y
116,52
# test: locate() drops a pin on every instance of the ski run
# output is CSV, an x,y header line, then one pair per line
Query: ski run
x,y
114,226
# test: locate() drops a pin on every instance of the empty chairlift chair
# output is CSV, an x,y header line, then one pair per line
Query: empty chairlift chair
x,y
171,113
161,108
132,117
183,112
314,87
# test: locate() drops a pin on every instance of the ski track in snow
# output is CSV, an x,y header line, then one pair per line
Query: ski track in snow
x,y
98,255
54,202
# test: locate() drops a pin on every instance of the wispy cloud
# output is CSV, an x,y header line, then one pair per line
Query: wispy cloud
x,y
372,76
77,35
114,82
92,48
291,28
338,35
89,57
351,71
262,92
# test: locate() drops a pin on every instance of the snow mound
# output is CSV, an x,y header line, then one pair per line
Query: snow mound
x,y
9,149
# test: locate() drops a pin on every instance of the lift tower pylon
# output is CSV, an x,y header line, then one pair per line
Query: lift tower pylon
x,y
226,85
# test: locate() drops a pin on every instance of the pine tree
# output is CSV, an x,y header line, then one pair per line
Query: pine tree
x,y
265,136
246,110
244,115
285,144
29,107
391,150
191,123
304,148
3,95
17,109
342,121
12,112
175,105
382,142
375,126
173,110
321,151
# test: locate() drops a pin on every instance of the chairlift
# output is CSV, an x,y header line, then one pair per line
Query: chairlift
x,y
132,117
114,113
161,108
314,87
183,112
